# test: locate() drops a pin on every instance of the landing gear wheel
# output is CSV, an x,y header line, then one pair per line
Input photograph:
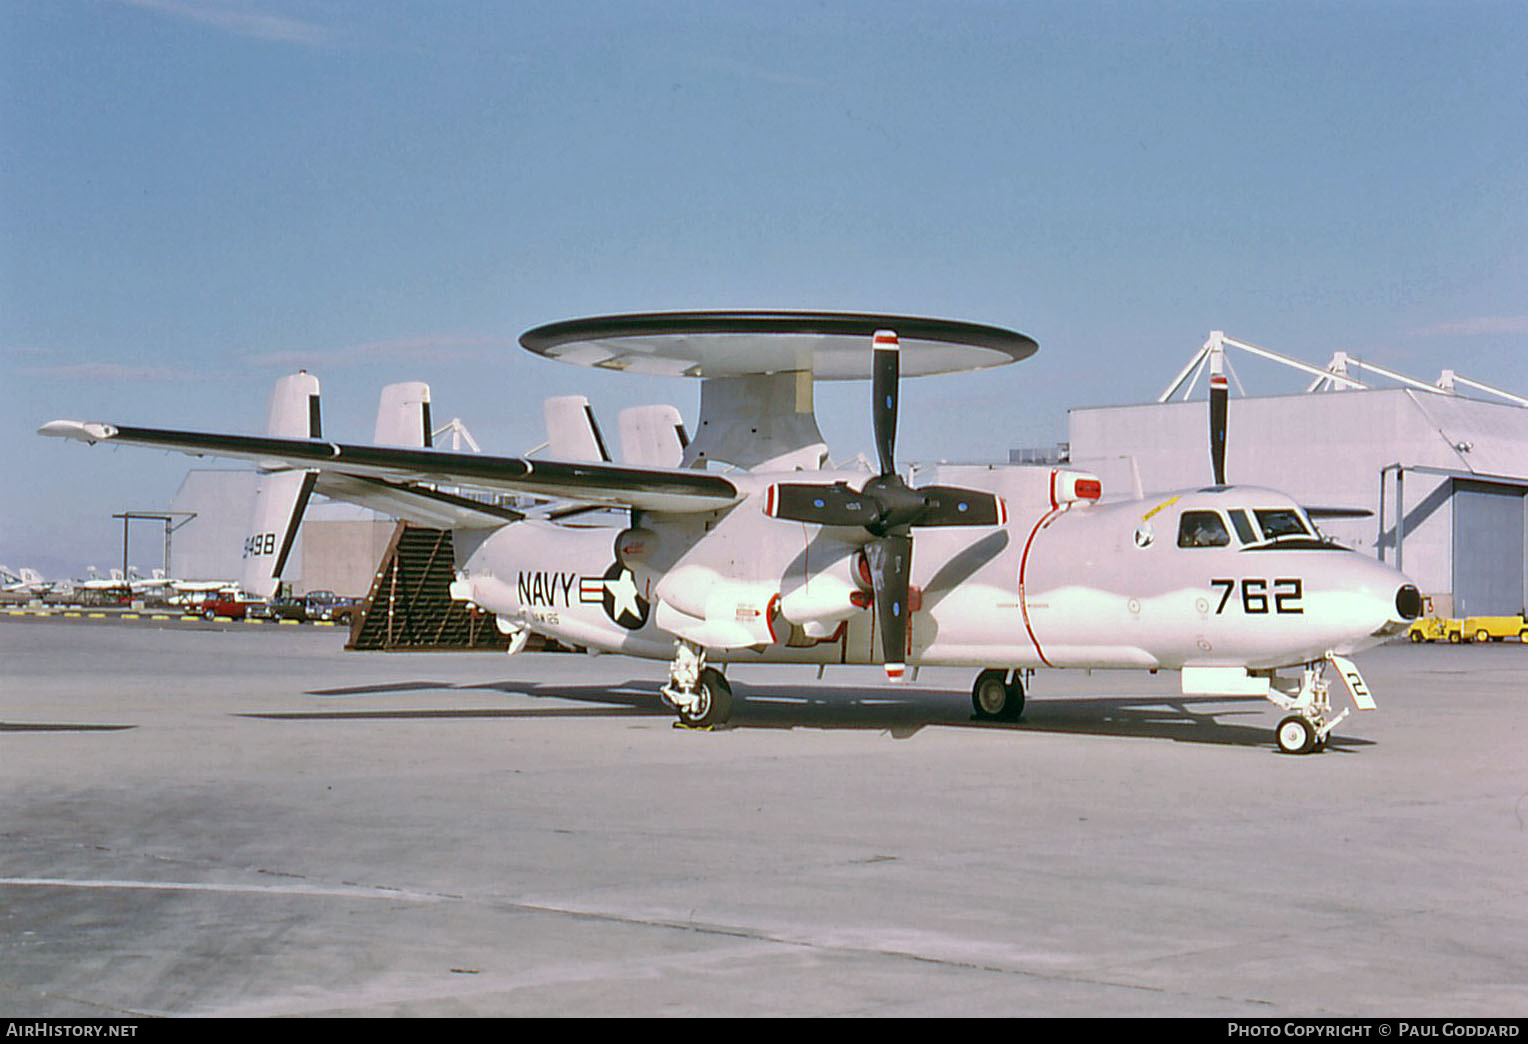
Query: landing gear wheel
x,y
714,705
1295,735
995,698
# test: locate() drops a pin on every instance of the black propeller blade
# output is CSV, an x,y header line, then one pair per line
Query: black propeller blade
x,y
1220,393
835,505
886,377
884,506
887,507
1218,401
890,559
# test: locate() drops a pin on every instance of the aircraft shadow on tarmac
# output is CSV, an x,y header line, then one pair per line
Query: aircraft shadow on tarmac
x,y
1234,721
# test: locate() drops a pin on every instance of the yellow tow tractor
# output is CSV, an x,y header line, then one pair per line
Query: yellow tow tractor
x,y
1495,628
1436,629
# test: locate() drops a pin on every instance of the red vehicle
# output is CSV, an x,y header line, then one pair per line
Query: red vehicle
x,y
229,605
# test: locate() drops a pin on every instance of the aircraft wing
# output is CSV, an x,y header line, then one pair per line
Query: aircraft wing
x,y
416,502
648,489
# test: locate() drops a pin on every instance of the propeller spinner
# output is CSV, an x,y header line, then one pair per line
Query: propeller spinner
x,y
887,508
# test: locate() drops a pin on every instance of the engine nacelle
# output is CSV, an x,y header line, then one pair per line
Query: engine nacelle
x,y
827,597
706,607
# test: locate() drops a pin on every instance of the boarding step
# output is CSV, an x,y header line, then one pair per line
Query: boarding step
x,y
409,606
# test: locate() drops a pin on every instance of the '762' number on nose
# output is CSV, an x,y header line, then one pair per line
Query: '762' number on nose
x,y
1256,598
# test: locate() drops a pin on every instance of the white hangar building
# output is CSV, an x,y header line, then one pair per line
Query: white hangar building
x,y
1445,476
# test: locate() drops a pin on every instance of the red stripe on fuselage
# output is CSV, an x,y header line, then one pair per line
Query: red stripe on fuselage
x,y
1023,566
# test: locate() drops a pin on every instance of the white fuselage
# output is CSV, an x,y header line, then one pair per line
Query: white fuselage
x,y
1079,584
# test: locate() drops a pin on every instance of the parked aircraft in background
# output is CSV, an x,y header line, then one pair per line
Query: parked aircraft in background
x,y
782,559
24,583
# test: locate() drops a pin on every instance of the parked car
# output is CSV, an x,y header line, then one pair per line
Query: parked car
x,y
231,605
315,605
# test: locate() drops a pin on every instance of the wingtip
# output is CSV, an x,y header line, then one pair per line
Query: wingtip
x,y
80,431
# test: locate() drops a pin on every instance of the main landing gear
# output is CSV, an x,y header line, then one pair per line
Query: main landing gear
x,y
699,694
997,695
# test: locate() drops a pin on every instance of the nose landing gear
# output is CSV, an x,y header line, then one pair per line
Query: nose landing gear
x,y
1298,735
1307,728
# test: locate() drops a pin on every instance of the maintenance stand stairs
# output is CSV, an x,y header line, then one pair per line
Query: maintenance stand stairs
x,y
410,607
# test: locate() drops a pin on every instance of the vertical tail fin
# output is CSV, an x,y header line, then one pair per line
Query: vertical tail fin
x,y
572,432
282,495
403,416
652,436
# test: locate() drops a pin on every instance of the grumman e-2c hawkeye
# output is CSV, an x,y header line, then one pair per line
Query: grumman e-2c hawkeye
x,y
781,559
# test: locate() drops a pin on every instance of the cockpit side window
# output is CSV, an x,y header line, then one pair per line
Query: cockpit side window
x,y
1203,529
1281,522
1244,531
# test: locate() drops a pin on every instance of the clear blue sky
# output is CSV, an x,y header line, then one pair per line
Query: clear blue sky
x,y
197,196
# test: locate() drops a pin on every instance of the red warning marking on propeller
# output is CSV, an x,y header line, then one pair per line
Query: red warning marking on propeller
x,y
886,340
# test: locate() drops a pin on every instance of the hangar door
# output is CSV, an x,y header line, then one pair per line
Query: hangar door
x,y
1490,549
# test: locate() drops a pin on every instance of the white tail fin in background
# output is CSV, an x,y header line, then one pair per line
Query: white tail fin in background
x,y
281,496
571,430
403,416
652,436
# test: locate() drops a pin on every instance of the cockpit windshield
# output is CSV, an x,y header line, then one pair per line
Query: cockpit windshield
x,y
1282,528
1202,529
1243,523
1281,522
